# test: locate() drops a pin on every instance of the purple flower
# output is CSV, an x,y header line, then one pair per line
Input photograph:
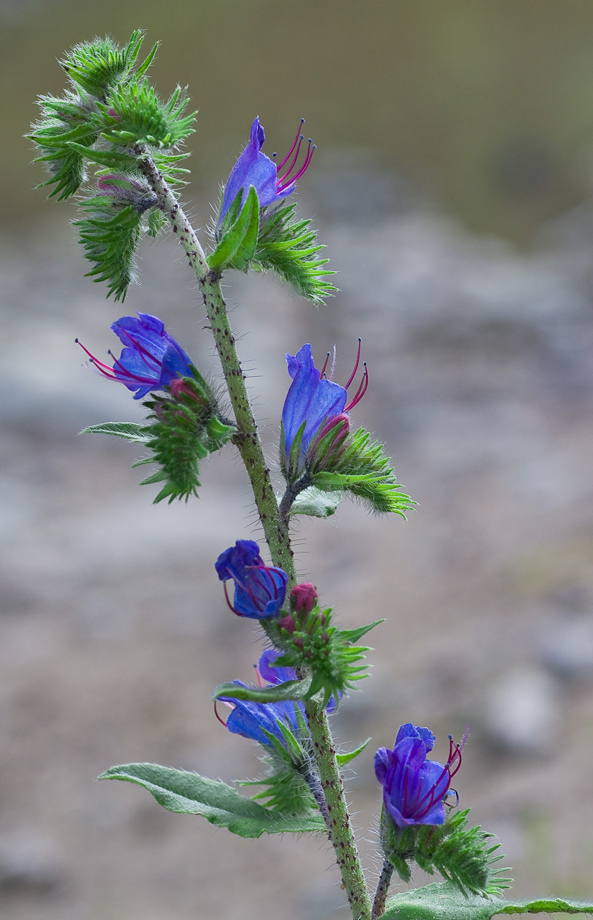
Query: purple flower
x,y
317,405
259,589
151,358
248,718
414,788
255,168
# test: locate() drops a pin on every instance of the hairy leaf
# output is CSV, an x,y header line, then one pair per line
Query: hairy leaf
x,y
192,794
365,472
288,246
442,901
237,246
289,690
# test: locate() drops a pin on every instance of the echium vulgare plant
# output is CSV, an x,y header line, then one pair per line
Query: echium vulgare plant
x,y
113,144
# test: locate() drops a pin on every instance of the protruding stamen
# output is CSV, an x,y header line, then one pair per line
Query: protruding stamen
x,y
353,374
222,722
296,141
364,383
305,165
284,180
324,368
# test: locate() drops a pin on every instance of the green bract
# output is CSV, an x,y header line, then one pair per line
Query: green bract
x,y
365,472
111,118
183,428
329,654
464,855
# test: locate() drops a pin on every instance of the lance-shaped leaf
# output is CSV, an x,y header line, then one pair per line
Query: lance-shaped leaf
x,y
442,901
237,246
191,794
365,472
289,690
131,431
345,757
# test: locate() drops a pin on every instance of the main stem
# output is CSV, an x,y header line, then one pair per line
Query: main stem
x,y
275,526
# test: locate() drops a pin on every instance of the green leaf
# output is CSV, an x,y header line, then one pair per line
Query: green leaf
x,y
99,65
192,794
353,635
345,758
110,159
133,114
547,906
365,472
289,247
285,791
316,503
131,431
289,690
442,901
237,246
110,235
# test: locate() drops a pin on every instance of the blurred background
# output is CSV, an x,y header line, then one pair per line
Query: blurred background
x,y
452,184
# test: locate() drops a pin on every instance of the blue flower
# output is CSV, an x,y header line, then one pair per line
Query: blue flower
x,y
317,405
151,358
259,589
255,168
248,718
414,788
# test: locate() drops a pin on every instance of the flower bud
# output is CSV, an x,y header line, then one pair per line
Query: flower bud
x,y
303,598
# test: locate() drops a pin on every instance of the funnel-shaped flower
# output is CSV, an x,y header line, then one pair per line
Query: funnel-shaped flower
x,y
414,788
151,358
316,405
259,589
271,181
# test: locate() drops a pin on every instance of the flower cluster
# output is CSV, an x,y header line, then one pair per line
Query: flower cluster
x,y
315,411
151,358
254,168
414,788
259,589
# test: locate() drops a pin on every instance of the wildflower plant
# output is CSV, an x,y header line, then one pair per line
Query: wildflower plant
x,y
115,145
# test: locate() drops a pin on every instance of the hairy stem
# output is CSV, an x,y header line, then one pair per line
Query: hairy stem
x,y
275,526
382,890
340,827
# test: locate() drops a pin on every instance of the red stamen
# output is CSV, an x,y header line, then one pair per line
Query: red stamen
x,y
353,374
323,369
296,140
280,181
305,165
222,722
364,383
226,594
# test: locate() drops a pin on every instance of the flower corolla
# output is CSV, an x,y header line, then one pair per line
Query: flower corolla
x,y
259,589
254,168
249,718
414,788
151,358
314,407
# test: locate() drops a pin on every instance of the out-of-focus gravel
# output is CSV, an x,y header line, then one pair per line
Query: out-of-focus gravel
x,y
113,625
